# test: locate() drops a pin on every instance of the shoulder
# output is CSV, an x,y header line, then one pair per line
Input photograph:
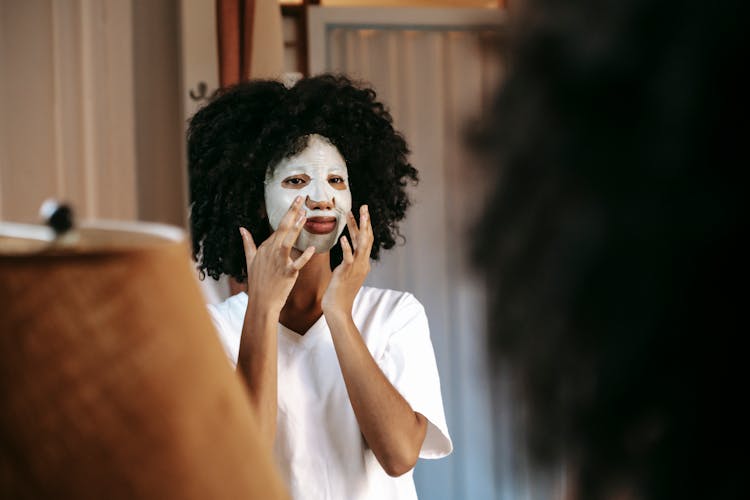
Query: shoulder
x,y
384,298
391,310
231,311
230,304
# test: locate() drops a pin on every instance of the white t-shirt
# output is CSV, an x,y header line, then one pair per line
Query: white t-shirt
x,y
319,448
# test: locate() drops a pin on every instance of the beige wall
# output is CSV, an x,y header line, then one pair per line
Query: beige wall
x,y
161,178
90,108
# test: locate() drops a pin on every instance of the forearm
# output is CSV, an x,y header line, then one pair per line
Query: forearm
x,y
271,274
257,364
393,431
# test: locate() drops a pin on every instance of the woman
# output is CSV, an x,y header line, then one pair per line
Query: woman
x,y
343,377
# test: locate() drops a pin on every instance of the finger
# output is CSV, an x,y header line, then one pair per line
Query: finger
x,y
303,259
346,250
364,219
365,238
248,245
351,223
292,235
287,222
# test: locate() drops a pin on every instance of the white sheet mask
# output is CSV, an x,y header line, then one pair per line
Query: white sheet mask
x,y
319,171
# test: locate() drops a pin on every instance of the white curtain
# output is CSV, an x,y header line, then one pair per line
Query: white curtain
x,y
435,80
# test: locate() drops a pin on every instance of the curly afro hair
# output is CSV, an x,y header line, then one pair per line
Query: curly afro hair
x,y
247,128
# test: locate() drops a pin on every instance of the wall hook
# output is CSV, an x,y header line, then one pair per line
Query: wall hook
x,y
201,94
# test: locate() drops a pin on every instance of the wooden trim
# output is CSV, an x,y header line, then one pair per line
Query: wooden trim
x,y
298,13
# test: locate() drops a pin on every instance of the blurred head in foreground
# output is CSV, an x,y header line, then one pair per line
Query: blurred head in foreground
x,y
615,268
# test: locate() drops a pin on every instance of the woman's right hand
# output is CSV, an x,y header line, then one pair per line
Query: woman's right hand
x,y
271,270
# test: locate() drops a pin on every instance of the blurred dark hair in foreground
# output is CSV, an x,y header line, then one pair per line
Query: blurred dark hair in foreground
x,y
612,241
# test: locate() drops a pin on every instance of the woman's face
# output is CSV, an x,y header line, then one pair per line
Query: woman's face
x,y
320,176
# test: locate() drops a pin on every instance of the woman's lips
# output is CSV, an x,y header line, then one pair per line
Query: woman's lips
x,y
320,225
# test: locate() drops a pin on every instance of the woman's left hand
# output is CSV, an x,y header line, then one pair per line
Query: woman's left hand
x,y
349,276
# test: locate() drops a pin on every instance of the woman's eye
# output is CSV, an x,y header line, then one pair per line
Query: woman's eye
x,y
294,181
336,180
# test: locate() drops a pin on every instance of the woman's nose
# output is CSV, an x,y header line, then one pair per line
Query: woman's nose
x,y
324,204
319,198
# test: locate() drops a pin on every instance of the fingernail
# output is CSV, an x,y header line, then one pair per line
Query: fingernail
x,y
297,200
242,231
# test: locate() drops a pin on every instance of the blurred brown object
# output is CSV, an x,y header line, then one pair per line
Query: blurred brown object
x,y
112,383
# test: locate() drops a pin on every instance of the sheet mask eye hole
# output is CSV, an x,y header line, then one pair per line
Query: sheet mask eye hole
x,y
294,182
337,182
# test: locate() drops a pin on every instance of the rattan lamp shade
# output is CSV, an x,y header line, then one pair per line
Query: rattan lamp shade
x,y
112,382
